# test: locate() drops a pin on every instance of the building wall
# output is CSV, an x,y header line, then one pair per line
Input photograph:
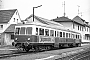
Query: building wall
x,y
30,20
8,40
15,18
6,37
69,25
81,29
5,26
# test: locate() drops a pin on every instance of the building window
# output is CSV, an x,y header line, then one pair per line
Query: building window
x,y
14,19
1,26
12,36
73,25
17,20
78,27
85,28
46,32
41,31
16,12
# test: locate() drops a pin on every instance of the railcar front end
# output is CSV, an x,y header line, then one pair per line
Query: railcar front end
x,y
26,38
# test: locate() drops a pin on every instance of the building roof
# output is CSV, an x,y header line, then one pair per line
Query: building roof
x,y
6,15
62,19
44,21
78,20
10,28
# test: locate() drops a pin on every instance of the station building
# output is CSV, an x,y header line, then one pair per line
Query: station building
x,y
76,24
8,20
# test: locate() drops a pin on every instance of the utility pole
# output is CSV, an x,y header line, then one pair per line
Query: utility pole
x,y
33,11
64,8
0,3
78,9
81,14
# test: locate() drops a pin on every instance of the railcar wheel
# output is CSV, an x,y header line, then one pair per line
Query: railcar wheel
x,y
36,49
27,50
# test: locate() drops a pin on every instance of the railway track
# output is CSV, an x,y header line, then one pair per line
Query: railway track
x,y
81,56
85,55
18,53
77,56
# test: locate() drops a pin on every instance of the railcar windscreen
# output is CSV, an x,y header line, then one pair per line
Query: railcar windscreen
x,y
17,31
23,30
29,30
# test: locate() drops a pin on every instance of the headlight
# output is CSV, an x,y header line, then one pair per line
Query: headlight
x,y
15,38
28,38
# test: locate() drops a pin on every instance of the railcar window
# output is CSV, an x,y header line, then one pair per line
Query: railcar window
x,y
66,35
60,34
22,30
41,31
17,31
63,34
51,32
69,35
72,35
36,31
29,30
46,32
55,33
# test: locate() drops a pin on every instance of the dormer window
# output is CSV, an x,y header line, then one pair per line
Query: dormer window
x,y
14,19
17,20
16,13
1,26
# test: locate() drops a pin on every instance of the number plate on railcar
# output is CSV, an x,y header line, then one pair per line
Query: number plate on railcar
x,y
46,40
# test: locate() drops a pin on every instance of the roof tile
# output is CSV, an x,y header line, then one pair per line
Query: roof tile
x,y
10,28
62,19
5,15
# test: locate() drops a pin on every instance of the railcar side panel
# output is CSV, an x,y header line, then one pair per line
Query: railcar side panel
x,y
46,39
70,40
26,38
64,40
78,41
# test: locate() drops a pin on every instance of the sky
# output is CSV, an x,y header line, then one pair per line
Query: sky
x,y
50,9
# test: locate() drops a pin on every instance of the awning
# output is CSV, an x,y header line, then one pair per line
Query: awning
x,y
10,29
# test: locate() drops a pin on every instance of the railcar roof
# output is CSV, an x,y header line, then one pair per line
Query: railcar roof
x,y
49,26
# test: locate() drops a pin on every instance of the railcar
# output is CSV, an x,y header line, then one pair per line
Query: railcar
x,y
41,37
